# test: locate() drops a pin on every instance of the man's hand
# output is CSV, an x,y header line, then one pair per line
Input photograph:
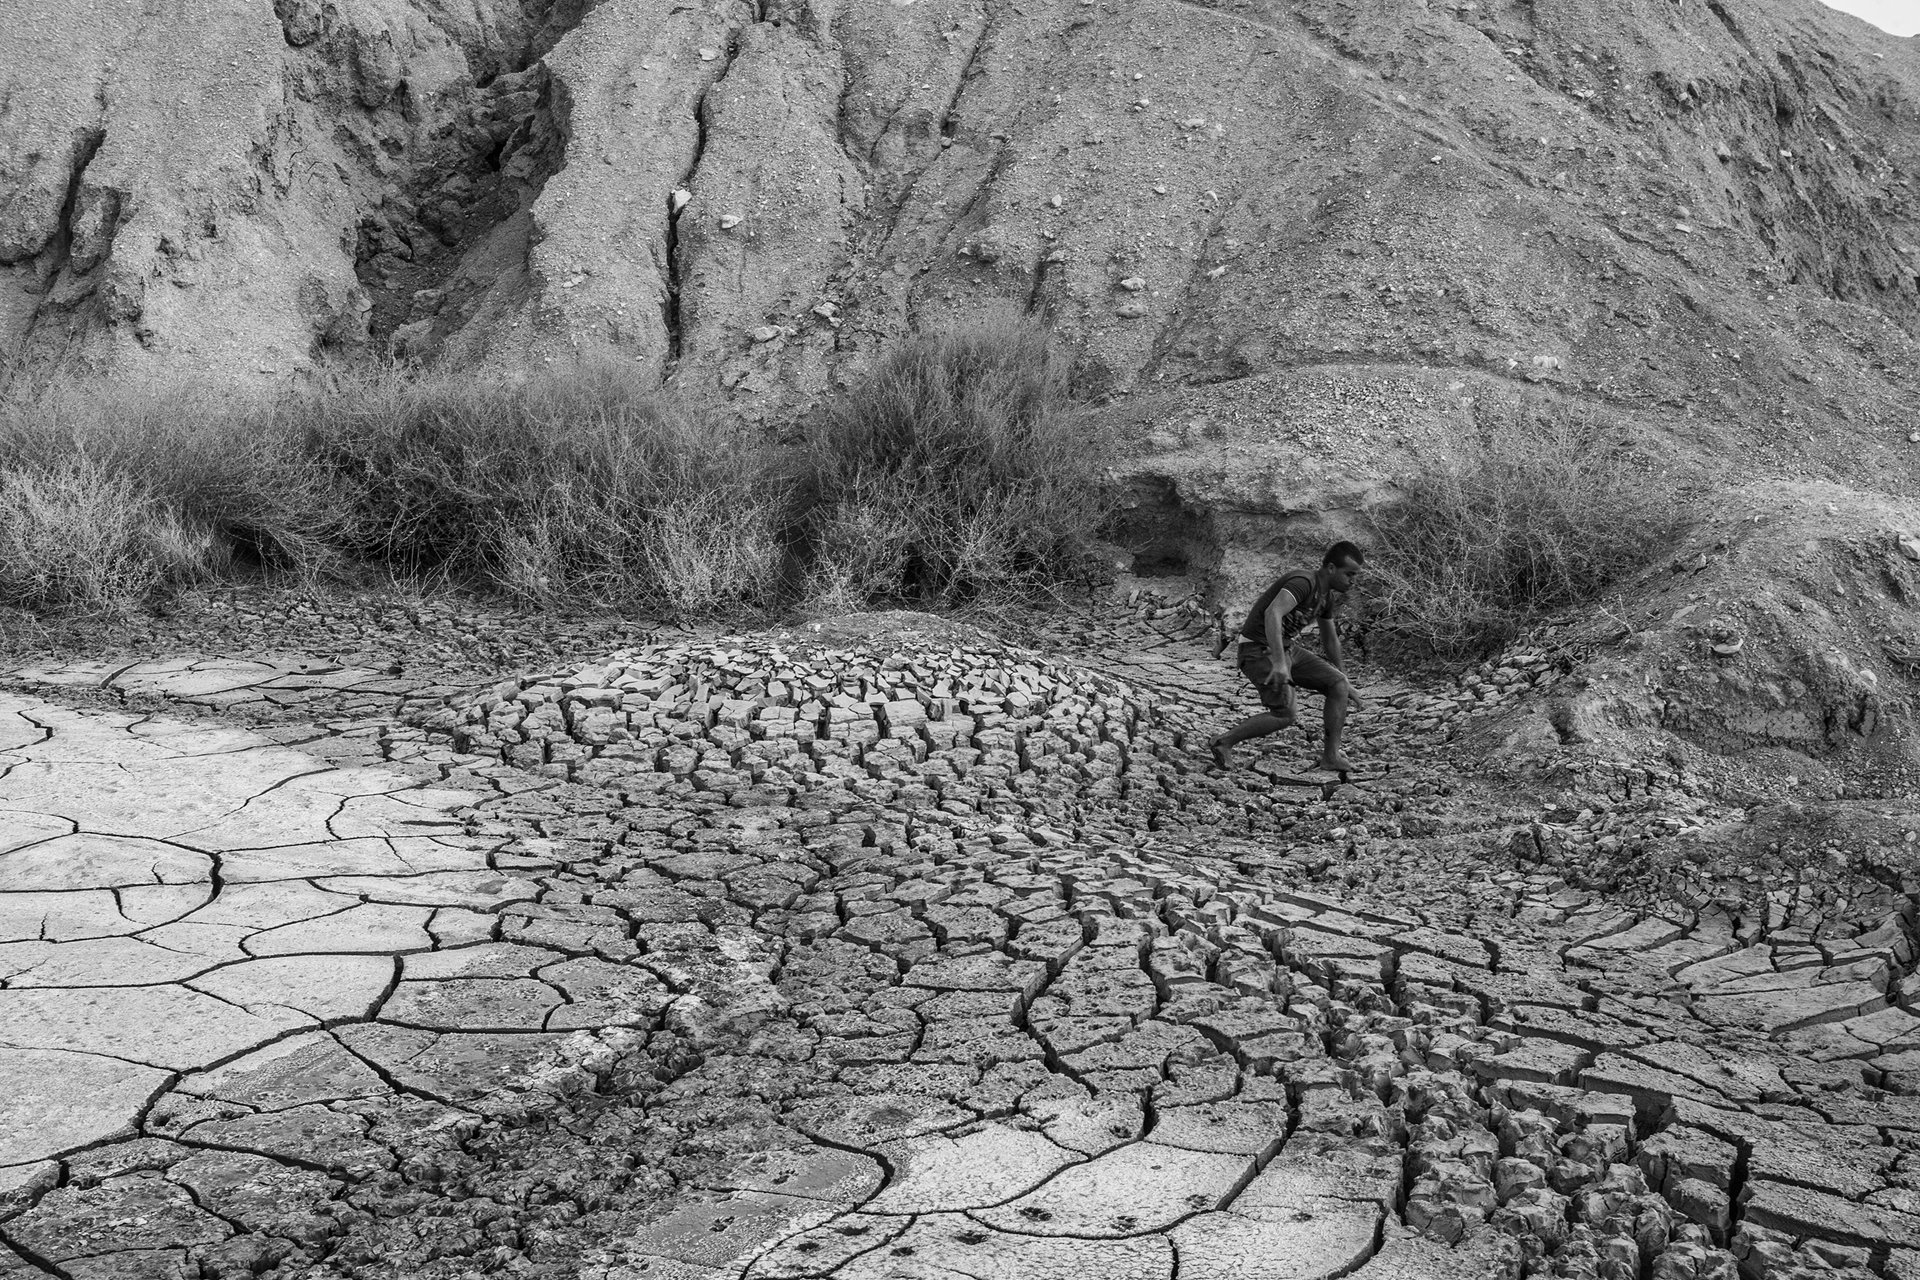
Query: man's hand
x,y
1353,700
1280,682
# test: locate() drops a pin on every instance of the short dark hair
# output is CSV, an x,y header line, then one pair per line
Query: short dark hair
x,y
1345,551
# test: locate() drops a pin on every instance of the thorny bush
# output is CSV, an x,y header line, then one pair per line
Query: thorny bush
x,y
1521,514
590,487
958,471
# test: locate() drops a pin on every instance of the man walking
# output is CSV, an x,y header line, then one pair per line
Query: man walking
x,y
1269,657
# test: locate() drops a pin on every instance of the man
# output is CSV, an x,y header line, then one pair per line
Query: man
x,y
1269,657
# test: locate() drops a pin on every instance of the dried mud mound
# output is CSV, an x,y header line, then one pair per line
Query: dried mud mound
x,y
944,959
903,719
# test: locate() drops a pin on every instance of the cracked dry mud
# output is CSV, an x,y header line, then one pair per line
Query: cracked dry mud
x,y
893,952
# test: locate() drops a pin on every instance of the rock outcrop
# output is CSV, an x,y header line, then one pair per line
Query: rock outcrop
x,y
1362,211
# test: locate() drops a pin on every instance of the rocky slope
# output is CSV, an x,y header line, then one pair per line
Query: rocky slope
x,y
1289,241
1693,212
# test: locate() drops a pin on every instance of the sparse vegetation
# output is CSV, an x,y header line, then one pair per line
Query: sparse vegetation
x,y
107,493
589,487
1521,515
586,488
77,535
959,471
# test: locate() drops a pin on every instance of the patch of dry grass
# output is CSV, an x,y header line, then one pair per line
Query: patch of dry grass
x,y
586,488
77,536
592,486
959,470
111,492
1517,516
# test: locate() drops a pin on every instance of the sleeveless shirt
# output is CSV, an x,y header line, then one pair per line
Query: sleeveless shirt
x,y
1308,607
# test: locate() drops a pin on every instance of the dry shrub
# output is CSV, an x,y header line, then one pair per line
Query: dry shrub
x,y
78,536
707,550
216,457
113,491
958,470
590,485
583,487
1517,516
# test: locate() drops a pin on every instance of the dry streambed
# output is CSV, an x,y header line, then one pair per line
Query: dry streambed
x,y
915,956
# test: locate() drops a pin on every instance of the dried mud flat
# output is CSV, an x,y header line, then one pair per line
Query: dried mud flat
x,y
890,950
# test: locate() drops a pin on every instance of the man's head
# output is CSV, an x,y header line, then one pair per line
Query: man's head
x,y
1343,560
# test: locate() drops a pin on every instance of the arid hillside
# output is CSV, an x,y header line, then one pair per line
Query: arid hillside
x,y
1302,213
1291,243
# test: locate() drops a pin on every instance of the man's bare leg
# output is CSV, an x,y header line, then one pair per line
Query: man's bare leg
x,y
1258,726
1331,757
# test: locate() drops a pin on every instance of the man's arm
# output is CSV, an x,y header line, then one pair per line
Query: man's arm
x,y
1330,640
1277,637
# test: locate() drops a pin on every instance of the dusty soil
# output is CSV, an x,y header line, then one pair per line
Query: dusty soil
x,y
881,947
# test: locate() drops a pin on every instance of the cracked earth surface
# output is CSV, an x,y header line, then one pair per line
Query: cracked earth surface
x,y
896,952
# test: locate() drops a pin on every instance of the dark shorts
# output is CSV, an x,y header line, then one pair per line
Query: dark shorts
x,y
1310,671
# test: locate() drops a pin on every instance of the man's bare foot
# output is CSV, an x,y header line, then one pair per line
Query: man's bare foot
x,y
1222,753
1335,761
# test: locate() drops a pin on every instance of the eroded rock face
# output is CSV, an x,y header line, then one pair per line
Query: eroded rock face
x,y
1781,627
1424,203
205,190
